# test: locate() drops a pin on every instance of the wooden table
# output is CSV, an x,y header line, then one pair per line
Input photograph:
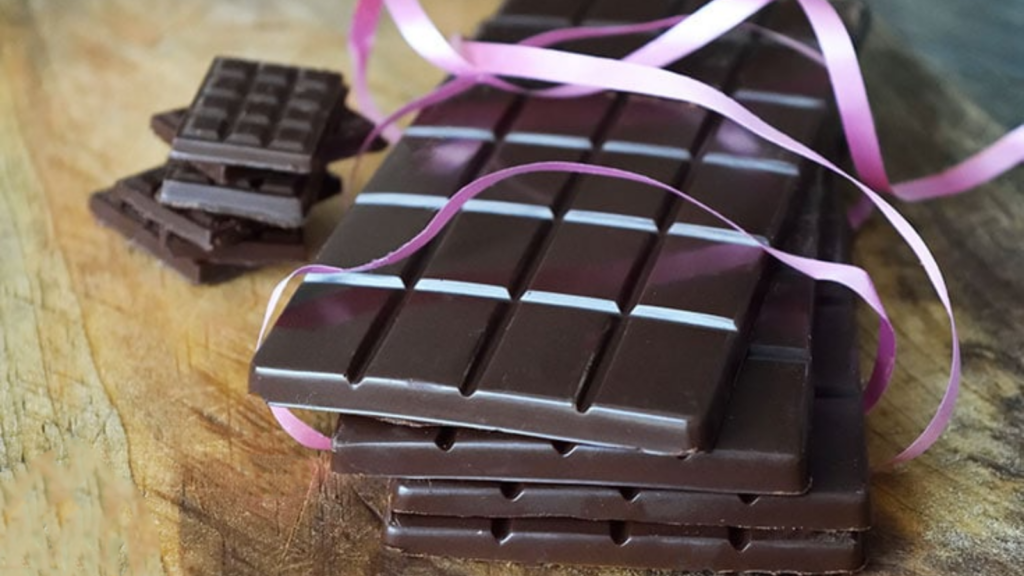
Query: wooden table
x,y
112,368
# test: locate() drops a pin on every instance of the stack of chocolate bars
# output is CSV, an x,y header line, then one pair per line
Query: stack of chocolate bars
x,y
588,371
248,161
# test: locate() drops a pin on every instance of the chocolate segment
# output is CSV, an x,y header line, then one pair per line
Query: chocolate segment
x,y
147,234
258,115
627,544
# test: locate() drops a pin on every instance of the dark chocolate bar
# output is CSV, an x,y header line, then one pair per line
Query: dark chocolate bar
x,y
148,235
273,198
259,115
165,124
204,231
197,235
535,311
837,499
628,544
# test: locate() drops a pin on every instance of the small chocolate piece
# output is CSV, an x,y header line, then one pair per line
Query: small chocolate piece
x,y
259,115
346,133
267,245
147,234
274,198
166,124
197,235
204,231
627,544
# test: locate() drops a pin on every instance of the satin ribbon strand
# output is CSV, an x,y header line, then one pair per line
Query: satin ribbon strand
x,y
851,276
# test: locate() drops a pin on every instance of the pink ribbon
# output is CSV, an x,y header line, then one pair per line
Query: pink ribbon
x,y
638,72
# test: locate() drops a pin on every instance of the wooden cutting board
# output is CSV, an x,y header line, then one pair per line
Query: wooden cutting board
x,y
127,433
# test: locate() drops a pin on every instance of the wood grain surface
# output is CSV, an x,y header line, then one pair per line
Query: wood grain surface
x,y
106,357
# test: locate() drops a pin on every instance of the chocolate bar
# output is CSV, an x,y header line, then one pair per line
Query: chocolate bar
x,y
837,499
148,235
627,544
259,115
273,198
533,313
